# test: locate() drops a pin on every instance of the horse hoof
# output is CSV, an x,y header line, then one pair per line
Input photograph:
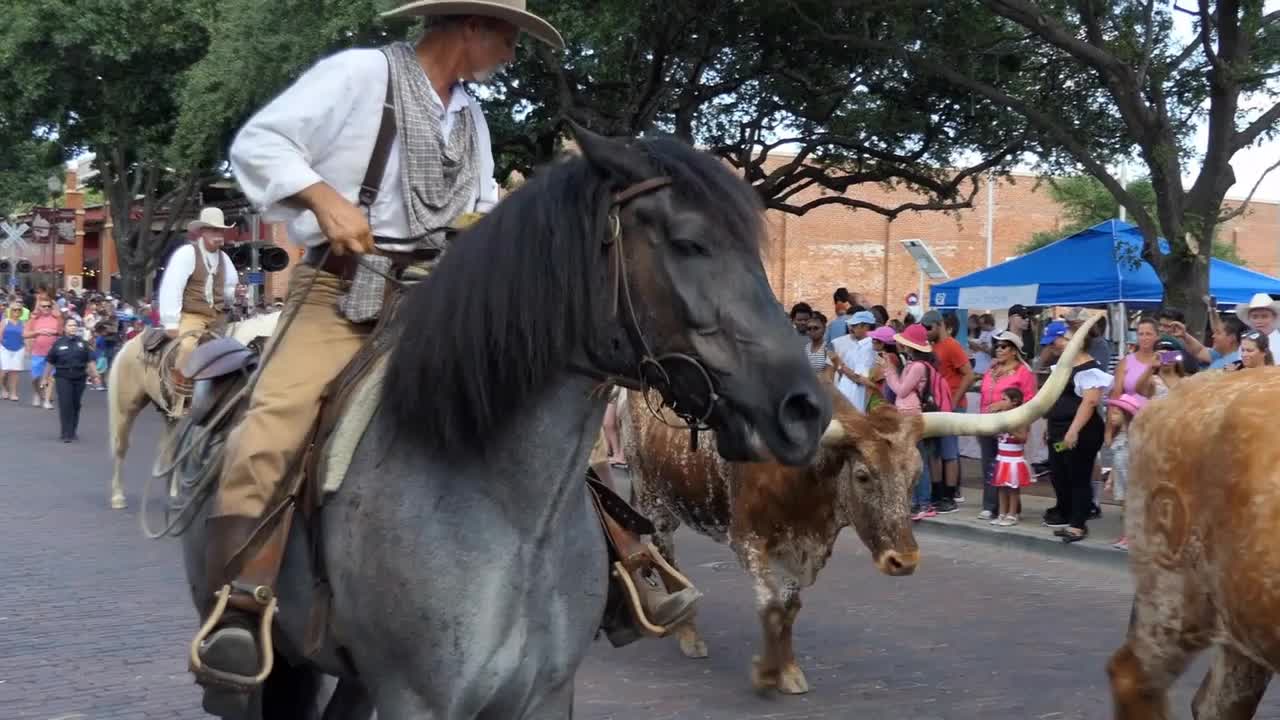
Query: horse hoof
x,y
693,647
792,681
763,680
118,503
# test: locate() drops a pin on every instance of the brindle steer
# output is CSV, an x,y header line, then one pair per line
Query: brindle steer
x,y
1202,519
782,522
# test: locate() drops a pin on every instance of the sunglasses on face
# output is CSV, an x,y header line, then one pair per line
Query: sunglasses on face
x,y
1005,346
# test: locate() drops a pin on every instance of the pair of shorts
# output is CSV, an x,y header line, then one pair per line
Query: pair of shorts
x,y
13,360
947,448
37,366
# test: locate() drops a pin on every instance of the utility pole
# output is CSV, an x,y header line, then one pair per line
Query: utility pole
x,y
254,261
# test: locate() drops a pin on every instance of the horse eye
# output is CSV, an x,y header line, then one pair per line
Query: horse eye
x,y
688,247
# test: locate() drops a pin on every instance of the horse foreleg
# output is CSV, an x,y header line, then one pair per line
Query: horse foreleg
x,y
791,679
349,701
123,406
1232,688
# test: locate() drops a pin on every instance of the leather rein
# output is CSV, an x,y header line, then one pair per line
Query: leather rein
x,y
651,369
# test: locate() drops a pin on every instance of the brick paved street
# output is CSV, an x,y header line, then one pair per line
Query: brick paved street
x,y
94,618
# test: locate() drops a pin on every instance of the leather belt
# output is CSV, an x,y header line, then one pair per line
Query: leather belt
x,y
344,266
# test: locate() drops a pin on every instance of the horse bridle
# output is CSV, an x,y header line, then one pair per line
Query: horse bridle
x,y
651,369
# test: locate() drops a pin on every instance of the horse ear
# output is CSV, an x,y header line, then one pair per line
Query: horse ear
x,y
612,157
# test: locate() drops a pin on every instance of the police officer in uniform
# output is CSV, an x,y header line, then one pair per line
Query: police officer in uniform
x,y
72,359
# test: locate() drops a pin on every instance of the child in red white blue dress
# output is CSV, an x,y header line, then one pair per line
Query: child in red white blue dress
x,y
1012,471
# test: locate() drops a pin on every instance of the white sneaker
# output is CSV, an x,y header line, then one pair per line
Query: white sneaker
x,y
996,521
985,515
958,498
48,405
1007,521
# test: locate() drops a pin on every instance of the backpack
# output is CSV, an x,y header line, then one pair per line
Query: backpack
x,y
936,394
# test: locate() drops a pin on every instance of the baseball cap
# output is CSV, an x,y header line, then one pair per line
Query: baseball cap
x,y
931,318
1168,343
1020,310
1053,331
862,317
884,334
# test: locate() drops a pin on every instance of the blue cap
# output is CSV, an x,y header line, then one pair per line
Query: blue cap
x,y
1053,331
863,317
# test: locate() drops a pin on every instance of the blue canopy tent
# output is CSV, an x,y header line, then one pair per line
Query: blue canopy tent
x,y
1097,266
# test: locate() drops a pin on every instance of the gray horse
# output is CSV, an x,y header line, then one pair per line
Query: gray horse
x,y
467,565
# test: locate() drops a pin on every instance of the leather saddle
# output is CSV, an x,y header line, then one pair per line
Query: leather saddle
x,y
215,359
154,340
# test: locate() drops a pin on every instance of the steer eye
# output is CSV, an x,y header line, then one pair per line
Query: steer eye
x,y
862,477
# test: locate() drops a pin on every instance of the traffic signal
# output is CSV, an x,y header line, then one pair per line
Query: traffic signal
x,y
271,258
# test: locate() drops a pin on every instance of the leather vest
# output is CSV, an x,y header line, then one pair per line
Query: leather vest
x,y
193,300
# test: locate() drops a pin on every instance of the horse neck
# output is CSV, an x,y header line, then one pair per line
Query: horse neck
x,y
534,465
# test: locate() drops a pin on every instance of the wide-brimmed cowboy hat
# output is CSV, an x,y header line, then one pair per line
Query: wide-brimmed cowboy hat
x,y
914,337
210,217
1260,301
512,11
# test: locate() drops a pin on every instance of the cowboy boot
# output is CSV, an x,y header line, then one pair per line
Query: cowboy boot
x,y
231,647
664,608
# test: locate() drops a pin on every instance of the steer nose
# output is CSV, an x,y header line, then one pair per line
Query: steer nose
x,y
897,564
798,415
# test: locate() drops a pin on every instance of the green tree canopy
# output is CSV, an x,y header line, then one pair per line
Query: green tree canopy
x,y
802,118
1099,81
1086,202
102,76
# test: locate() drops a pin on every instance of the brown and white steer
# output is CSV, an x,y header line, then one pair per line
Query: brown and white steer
x,y
1203,520
782,522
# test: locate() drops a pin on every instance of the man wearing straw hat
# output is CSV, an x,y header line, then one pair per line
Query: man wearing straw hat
x,y
319,158
199,284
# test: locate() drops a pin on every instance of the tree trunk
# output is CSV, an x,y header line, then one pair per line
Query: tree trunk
x,y
1186,283
133,282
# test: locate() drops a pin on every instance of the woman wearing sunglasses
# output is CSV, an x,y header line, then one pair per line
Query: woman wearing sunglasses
x,y
1255,351
1007,370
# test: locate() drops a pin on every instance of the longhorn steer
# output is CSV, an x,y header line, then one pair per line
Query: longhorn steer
x,y
1202,520
782,522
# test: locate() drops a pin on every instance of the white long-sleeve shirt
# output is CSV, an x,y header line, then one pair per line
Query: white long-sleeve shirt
x,y
178,271
322,129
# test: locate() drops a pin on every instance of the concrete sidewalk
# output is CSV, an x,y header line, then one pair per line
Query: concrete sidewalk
x,y
1029,533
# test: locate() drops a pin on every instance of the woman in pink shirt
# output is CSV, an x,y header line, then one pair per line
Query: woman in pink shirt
x,y
1008,370
40,332
906,385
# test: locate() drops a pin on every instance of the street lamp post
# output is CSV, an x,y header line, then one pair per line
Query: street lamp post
x,y
54,183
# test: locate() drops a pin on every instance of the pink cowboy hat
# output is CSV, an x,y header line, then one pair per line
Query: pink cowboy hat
x,y
1130,403
914,337
884,334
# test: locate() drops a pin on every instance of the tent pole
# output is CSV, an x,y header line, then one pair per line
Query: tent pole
x,y
1121,330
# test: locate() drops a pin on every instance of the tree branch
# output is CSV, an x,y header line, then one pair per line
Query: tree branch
x,y
1266,121
1237,212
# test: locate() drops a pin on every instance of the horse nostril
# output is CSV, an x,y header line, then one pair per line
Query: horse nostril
x,y
894,562
800,408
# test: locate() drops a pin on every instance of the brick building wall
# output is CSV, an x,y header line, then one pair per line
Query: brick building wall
x,y
809,256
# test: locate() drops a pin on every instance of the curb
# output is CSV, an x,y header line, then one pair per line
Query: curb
x,y
1046,545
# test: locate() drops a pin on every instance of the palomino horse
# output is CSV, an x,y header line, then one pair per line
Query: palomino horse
x,y
132,384
467,567
1202,523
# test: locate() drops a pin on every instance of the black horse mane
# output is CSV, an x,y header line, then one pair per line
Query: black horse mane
x,y
516,294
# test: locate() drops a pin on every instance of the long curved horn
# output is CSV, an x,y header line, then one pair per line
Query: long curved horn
x,y
834,434
943,424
